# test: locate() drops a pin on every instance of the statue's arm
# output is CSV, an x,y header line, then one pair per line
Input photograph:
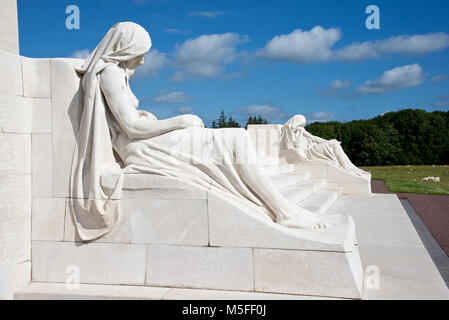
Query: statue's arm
x,y
112,83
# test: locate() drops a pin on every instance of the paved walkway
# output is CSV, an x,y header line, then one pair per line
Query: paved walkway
x,y
432,209
391,250
430,216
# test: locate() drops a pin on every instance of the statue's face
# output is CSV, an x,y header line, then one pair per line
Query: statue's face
x,y
134,63
300,124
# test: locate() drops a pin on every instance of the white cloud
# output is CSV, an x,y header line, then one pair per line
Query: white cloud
x,y
154,61
357,51
172,97
439,78
208,14
416,44
183,110
335,88
419,44
302,46
80,54
317,45
205,56
340,84
395,79
321,116
267,111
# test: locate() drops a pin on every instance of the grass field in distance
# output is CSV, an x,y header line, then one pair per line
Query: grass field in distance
x,y
407,179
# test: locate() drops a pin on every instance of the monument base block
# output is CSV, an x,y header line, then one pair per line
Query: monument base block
x,y
197,238
316,273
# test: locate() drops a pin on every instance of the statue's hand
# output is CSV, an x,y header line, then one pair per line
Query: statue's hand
x,y
191,120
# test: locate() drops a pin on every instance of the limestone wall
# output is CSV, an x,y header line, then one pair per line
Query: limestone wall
x,y
9,31
25,121
18,105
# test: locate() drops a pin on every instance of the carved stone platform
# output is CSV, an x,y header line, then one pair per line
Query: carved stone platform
x,y
174,234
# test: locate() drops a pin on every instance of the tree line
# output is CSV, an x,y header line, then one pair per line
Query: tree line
x,y
225,122
406,137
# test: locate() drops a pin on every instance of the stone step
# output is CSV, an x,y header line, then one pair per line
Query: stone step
x,y
321,200
60,291
302,190
284,180
279,169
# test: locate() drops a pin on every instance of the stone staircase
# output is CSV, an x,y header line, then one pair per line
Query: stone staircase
x,y
316,195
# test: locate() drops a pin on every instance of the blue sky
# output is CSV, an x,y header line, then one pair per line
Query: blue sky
x,y
274,58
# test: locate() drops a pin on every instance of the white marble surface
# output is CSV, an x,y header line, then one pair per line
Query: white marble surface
x,y
320,201
9,26
200,267
349,183
11,71
13,278
14,114
36,77
64,119
161,221
308,273
232,226
302,190
24,115
15,154
15,222
15,200
48,219
15,159
388,240
40,109
100,263
57,291
287,179
41,149
145,186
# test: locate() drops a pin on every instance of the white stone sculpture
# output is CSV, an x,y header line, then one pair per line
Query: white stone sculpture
x,y
298,145
114,138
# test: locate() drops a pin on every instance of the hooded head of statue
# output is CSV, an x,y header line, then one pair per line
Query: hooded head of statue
x,y
125,43
296,122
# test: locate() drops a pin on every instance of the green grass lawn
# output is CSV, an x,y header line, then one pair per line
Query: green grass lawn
x,y
407,179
